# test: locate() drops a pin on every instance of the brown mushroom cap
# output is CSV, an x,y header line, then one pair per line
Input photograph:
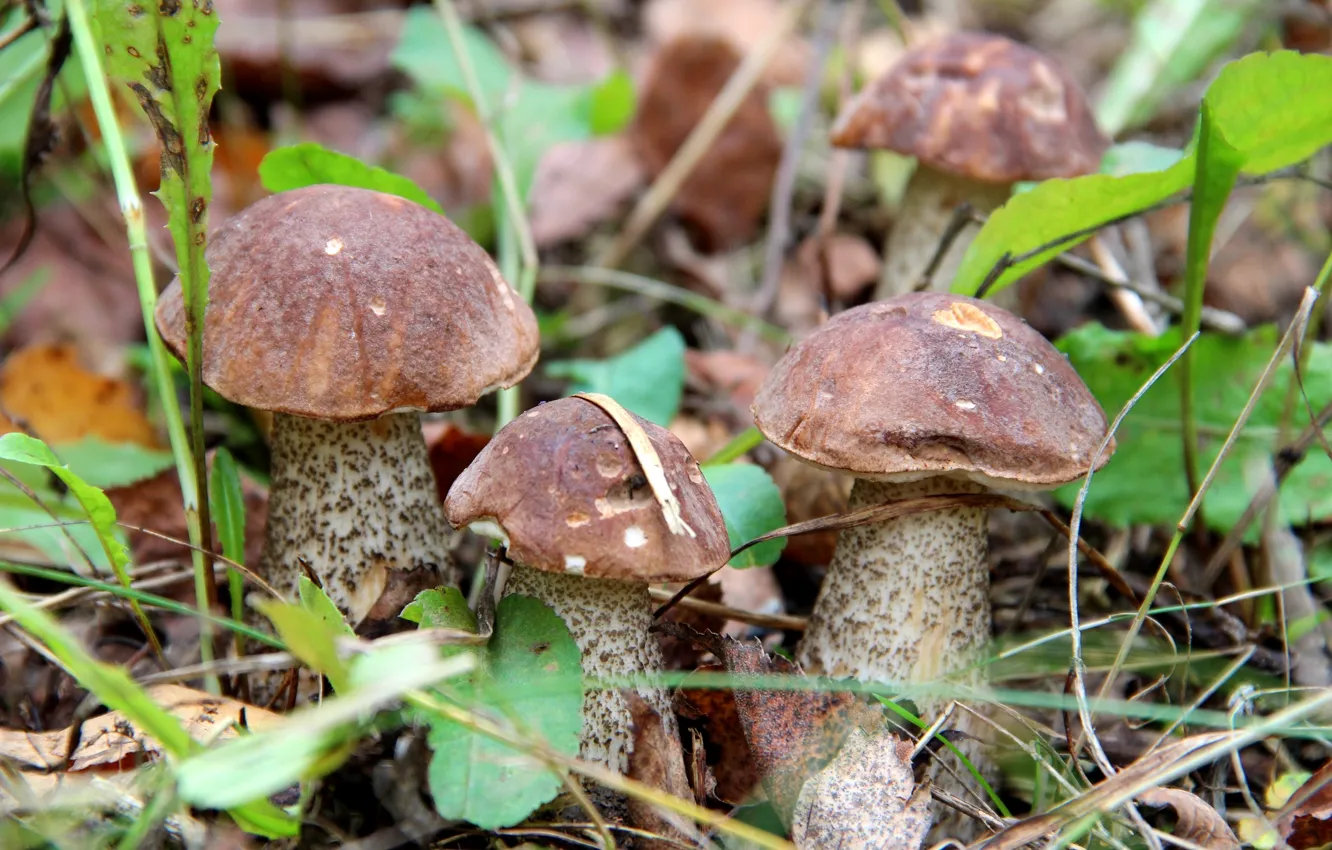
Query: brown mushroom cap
x,y
564,485
981,106
931,383
345,304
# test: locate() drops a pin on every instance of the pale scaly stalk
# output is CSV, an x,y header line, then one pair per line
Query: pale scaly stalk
x,y
131,208
513,229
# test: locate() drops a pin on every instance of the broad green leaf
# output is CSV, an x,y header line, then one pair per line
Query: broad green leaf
x,y
22,518
313,741
108,465
1174,42
22,66
310,637
1135,157
316,601
529,116
440,608
647,379
1274,110
531,677
310,163
228,505
752,505
1144,481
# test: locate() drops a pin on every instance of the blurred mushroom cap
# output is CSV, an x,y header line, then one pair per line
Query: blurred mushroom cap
x,y
344,304
980,106
933,384
561,482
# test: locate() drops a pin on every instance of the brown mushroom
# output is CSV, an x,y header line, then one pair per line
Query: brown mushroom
x,y
561,488
927,393
979,113
347,312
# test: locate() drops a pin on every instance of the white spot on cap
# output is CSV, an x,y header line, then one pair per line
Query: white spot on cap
x,y
377,306
334,246
634,537
575,564
505,291
1040,370
1002,358
965,405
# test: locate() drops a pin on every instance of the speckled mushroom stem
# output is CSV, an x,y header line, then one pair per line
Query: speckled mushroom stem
x,y
609,620
927,209
357,500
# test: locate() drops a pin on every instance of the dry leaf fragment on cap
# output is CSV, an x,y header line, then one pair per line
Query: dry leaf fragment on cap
x,y
724,197
791,733
1194,820
865,799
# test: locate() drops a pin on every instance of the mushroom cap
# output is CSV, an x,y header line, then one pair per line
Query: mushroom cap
x,y
344,304
927,384
563,485
978,105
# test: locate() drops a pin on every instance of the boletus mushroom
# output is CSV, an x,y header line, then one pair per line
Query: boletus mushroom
x,y
348,312
979,113
924,394
564,492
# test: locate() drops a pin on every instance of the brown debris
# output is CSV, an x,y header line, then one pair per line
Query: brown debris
x,y
1195,820
742,22
656,762
1306,821
724,197
580,185
735,776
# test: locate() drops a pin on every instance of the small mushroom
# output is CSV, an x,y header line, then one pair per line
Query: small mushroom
x,y
560,486
347,312
979,113
924,394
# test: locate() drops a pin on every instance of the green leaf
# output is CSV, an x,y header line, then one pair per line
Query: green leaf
x,y
13,301
108,465
531,677
441,608
647,379
313,741
316,601
530,116
310,636
24,519
310,163
1144,481
1136,156
1174,41
751,505
1273,110
228,504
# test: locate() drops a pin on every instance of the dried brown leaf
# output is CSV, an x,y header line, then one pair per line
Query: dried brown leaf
x,y
1195,820
733,769
656,761
1306,820
865,799
580,185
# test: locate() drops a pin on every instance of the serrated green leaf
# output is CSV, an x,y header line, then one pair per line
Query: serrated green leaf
x,y
228,503
1144,481
1174,41
310,163
310,637
751,503
647,379
531,676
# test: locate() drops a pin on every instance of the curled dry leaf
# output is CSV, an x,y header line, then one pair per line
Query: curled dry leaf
x,y
50,391
1306,820
865,799
1195,820
581,184
732,765
791,733
725,195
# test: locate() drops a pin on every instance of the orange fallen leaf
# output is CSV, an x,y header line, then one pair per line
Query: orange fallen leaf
x,y
49,390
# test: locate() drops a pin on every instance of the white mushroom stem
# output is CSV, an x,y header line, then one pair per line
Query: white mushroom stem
x,y
609,621
931,199
357,501
908,601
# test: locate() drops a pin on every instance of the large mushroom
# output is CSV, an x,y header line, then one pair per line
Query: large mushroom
x,y
348,312
562,489
924,394
979,113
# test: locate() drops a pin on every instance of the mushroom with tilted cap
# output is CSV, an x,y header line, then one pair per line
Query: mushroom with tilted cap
x,y
347,312
979,113
563,490
924,394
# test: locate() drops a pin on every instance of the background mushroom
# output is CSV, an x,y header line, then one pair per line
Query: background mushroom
x,y
927,393
347,312
561,487
979,113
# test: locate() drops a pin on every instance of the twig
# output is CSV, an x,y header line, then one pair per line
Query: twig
x,y
1222,321
783,188
783,622
728,100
